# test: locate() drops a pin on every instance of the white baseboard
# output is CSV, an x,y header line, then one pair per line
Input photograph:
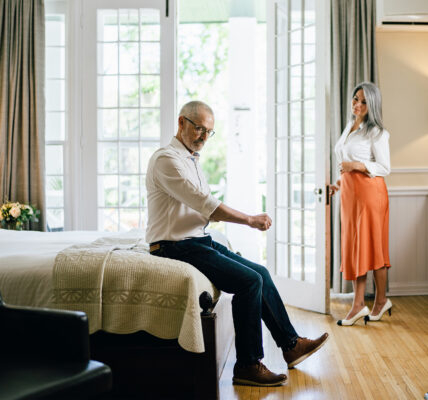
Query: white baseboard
x,y
408,289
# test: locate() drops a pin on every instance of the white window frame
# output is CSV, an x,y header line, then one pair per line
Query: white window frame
x,y
81,206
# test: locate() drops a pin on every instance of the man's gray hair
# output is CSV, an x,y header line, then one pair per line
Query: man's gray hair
x,y
374,107
193,108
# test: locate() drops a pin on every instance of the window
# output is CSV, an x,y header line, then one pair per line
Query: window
x,y
128,112
295,139
55,128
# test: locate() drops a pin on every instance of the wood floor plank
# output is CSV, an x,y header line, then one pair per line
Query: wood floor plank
x,y
381,360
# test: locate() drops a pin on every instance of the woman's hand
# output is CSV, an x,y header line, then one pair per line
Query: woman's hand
x,y
335,188
349,166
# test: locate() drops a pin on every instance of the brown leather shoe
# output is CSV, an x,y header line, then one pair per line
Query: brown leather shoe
x,y
303,349
257,375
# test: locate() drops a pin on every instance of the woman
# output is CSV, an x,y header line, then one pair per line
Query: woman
x,y
363,156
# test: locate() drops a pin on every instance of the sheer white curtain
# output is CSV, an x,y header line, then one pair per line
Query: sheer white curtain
x,y
353,60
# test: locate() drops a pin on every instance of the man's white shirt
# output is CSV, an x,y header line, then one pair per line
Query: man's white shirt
x,y
178,196
373,153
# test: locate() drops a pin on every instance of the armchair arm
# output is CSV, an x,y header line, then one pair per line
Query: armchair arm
x,y
43,333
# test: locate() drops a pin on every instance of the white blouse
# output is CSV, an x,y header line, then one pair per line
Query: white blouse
x,y
373,153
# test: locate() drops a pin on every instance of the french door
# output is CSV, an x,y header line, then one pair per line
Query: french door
x,y
298,155
128,105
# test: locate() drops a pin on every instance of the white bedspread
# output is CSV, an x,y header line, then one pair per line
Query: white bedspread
x,y
137,291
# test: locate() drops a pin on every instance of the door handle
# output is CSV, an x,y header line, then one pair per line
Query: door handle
x,y
318,191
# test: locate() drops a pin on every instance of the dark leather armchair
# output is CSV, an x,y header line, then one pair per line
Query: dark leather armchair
x,y
44,354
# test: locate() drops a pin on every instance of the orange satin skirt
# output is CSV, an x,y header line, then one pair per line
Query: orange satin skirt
x,y
364,224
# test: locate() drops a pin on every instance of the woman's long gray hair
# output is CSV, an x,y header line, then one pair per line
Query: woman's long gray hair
x,y
374,107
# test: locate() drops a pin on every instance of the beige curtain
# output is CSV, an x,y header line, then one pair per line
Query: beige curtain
x,y
353,60
22,110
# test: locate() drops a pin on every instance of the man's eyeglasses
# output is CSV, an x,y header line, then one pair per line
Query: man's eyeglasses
x,y
200,130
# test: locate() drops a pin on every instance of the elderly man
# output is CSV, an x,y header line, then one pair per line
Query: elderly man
x,y
180,205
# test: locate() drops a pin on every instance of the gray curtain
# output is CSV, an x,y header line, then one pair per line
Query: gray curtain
x,y
353,60
22,109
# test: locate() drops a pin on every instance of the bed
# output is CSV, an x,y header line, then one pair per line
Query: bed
x,y
144,311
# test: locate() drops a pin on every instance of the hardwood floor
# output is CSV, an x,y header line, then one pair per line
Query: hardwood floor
x,y
383,360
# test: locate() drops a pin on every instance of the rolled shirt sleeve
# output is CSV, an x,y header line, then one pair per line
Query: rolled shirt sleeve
x,y
381,166
172,179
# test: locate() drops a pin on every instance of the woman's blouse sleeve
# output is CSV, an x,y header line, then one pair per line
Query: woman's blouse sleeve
x,y
381,166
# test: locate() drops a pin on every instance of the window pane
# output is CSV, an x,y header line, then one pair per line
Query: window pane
x,y
146,153
107,58
54,163
296,47
296,118
129,191
129,123
296,14
282,155
55,218
281,51
281,86
296,262
128,58
310,227
107,158
107,26
150,24
309,119
128,158
309,12
150,58
107,91
143,191
54,191
310,264
309,152
107,190
296,82
55,30
128,29
281,190
296,156
150,123
310,197
150,91
107,123
282,259
55,126
309,49
55,62
128,91
309,71
55,95
282,224
295,226
296,190
108,219
281,121
129,219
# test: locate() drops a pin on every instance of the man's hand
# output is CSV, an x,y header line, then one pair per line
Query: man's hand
x,y
262,222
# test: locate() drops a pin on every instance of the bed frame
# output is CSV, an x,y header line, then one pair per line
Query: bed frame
x,y
146,367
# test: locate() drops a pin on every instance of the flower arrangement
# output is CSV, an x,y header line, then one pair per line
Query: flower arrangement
x,y
15,215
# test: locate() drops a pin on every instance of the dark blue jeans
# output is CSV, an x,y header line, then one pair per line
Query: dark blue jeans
x,y
255,295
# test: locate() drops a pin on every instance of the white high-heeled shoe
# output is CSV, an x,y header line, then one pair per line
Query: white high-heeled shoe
x,y
385,308
348,322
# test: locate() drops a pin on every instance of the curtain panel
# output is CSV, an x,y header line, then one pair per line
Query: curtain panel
x,y
353,60
22,108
